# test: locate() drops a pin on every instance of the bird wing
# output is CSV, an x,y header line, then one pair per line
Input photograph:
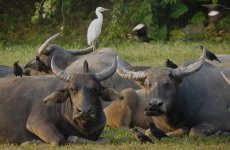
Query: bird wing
x,y
94,31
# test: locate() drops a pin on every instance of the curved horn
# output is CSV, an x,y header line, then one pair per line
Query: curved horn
x,y
225,78
130,75
59,72
105,74
186,71
47,42
83,51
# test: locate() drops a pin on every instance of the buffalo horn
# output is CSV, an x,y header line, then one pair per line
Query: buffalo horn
x,y
47,42
83,51
105,74
225,78
186,71
130,75
59,72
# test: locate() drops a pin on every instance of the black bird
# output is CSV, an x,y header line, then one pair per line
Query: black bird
x,y
141,136
210,55
157,132
141,32
170,64
215,11
17,70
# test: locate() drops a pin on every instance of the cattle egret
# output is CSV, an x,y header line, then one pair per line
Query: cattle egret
x,y
141,31
94,29
17,70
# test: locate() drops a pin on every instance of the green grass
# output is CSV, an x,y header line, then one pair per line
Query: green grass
x,y
123,139
136,53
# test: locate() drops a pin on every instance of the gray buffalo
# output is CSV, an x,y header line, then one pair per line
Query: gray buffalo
x,y
72,107
63,57
102,60
5,71
191,96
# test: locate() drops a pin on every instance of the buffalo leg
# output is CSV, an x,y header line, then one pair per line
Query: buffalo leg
x,y
178,132
203,129
80,140
48,132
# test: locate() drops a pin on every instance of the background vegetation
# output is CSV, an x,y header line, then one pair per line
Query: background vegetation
x,y
30,19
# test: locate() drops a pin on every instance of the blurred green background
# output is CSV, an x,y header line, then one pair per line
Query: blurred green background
x,y
172,20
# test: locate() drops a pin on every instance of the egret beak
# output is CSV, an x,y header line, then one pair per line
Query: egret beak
x,y
104,9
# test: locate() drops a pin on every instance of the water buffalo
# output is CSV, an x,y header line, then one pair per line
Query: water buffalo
x,y
102,60
75,108
63,57
225,78
185,97
128,112
5,71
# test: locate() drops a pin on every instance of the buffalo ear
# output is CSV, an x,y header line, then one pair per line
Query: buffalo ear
x,y
57,96
109,94
85,67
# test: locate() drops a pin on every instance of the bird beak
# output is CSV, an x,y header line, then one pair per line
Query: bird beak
x,y
104,9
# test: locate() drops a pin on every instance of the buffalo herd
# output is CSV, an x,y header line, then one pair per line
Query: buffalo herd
x,y
72,94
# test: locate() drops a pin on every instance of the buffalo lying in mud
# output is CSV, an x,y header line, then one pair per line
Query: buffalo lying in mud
x,y
191,96
72,107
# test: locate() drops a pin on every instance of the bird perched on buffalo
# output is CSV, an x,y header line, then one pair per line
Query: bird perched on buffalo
x,y
210,55
157,132
94,28
141,136
17,70
170,64
141,31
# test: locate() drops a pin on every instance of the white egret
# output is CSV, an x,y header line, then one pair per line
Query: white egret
x,y
94,29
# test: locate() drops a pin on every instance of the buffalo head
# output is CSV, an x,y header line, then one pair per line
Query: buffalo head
x,y
64,57
161,84
83,91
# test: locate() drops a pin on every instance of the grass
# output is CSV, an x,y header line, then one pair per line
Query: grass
x,y
136,53
123,139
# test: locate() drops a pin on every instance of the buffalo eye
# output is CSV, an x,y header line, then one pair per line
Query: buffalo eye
x,y
168,84
72,90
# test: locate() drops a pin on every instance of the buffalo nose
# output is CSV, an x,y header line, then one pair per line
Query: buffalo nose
x,y
156,102
84,110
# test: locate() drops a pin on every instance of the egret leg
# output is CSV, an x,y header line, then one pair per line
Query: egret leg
x,y
94,46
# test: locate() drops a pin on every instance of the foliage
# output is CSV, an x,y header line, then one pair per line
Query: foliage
x,y
161,16
198,18
178,10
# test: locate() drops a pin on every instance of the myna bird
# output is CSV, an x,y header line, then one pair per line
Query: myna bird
x,y
157,132
17,70
170,64
141,136
141,31
209,55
